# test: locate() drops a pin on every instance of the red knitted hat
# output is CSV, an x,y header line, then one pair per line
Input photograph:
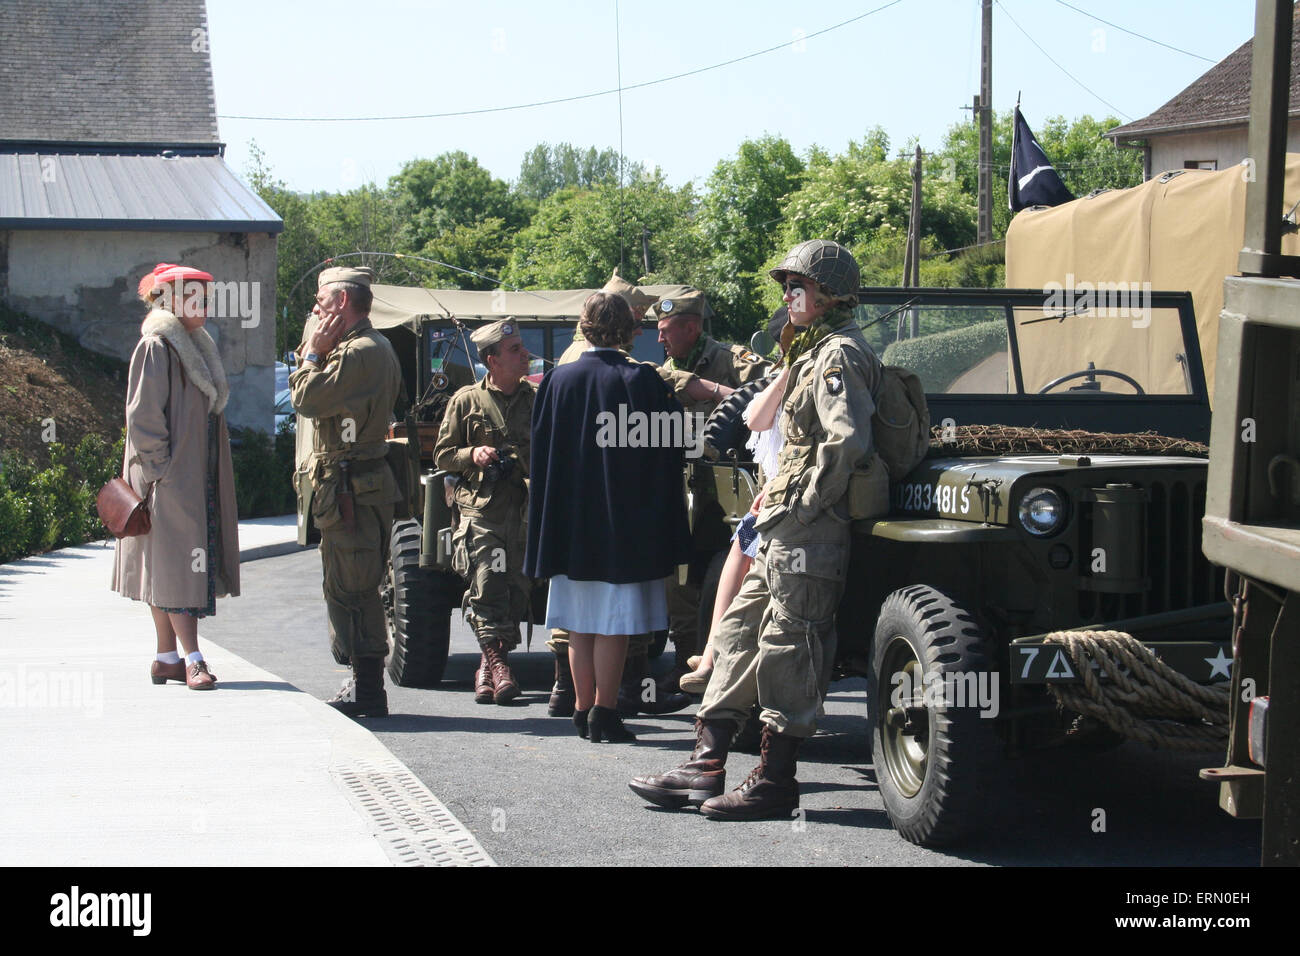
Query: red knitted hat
x,y
165,272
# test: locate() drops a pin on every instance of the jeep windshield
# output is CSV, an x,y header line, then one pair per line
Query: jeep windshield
x,y
1050,360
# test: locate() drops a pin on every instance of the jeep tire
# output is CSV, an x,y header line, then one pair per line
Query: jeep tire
x,y
934,761
417,611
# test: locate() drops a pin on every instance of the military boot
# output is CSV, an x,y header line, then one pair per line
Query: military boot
x,y
484,690
632,692
364,694
769,791
563,698
507,688
701,777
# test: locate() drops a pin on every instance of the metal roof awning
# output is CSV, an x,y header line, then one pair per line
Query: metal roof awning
x,y
154,193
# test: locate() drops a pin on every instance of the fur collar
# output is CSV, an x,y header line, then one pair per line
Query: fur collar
x,y
198,355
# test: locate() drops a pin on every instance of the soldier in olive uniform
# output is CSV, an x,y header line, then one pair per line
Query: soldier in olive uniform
x,y
347,384
776,642
680,322
690,389
485,438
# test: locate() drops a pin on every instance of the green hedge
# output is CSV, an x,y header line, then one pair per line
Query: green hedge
x,y
48,506
263,472
941,358
54,506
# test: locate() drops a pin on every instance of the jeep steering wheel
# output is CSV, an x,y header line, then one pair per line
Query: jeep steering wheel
x,y
1089,372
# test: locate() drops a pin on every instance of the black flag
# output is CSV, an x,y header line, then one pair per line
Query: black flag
x,y
1033,180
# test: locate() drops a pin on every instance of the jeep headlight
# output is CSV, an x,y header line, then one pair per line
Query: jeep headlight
x,y
1042,511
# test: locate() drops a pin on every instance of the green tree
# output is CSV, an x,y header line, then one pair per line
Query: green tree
x,y
546,169
579,235
435,196
862,199
738,223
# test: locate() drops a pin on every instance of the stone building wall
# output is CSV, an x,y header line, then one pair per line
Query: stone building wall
x,y
83,283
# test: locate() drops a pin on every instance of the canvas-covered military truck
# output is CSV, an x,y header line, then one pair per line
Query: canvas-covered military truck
x,y
430,331
1039,510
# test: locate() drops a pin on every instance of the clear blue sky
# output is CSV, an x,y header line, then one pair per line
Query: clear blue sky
x,y
909,69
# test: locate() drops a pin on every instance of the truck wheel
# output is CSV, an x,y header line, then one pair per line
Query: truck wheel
x,y
932,750
416,610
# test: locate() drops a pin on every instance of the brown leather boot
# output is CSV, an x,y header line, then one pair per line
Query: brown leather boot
x,y
563,698
484,690
769,791
364,694
701,777
507,688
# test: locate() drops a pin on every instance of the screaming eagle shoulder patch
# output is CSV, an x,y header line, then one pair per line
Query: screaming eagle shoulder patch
x,y
834,379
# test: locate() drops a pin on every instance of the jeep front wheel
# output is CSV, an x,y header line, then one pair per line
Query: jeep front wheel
x,y
931,678
416,610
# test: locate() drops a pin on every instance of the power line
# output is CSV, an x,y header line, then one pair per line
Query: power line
x,y
1140,36
1058,66
562,99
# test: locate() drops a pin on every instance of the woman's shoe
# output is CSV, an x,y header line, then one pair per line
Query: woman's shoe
x,y
605,725
198,677
580,721
696,682
161,673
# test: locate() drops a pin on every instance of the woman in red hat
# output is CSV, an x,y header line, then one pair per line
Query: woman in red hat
x,y
178,459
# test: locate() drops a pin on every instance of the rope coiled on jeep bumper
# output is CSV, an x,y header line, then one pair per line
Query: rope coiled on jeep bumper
x,y
1142,698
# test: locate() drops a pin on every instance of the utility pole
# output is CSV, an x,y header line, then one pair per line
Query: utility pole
x,y
916,235
984,230
645,250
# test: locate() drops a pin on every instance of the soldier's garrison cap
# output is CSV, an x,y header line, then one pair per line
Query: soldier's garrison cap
x,y
691,302
357,275
636,297
493,333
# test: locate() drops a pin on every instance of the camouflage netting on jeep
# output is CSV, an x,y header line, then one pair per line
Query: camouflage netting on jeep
x,y
1007,440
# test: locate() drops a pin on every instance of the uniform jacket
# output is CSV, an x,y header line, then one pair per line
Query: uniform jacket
x,y
475,416
169,394
729,365
826,425
350,400
601,509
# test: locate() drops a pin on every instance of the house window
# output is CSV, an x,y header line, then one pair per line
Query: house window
x,y
1201,164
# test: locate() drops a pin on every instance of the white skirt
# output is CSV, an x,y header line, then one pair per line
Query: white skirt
x,y
598,607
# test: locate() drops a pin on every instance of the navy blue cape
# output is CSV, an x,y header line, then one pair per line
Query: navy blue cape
x,y
614,513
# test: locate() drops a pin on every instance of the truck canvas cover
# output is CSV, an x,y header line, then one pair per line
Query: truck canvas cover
x,y
1179,231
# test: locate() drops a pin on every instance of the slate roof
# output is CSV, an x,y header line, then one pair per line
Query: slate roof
x,y
106,72
1219,97
79,191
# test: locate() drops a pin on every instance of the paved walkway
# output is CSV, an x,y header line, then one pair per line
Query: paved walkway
x,y
100,767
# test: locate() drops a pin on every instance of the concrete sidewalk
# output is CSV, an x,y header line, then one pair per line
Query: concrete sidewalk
x,y
100,767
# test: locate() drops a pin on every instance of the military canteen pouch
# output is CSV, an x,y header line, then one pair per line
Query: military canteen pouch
x,y
121,510
869,490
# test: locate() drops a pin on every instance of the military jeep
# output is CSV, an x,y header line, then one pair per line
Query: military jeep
x,y
1037,510
430,331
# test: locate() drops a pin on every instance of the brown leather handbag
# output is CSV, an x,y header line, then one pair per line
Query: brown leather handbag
x,y
121,509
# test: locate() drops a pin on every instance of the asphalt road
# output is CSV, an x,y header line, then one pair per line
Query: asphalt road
x,y
535,793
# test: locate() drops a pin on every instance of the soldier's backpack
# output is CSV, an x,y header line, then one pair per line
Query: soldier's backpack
x,y
901,423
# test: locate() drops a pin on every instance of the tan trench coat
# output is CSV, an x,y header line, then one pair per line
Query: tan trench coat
x,y
169,393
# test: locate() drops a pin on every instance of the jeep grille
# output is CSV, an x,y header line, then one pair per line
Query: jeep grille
x,y
1178,572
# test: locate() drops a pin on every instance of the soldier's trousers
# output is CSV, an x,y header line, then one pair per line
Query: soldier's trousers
x,y
491,558
354,563
776,642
